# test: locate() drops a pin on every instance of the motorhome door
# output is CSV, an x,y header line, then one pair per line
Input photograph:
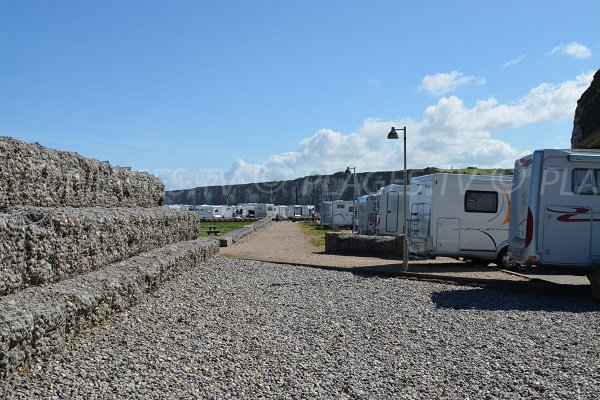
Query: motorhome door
x,y
448,235
567,235
393,205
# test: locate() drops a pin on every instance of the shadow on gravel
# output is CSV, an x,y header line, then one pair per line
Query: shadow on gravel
x,y
394,269
498,300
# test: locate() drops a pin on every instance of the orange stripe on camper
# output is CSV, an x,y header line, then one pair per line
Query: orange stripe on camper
x,y
508,211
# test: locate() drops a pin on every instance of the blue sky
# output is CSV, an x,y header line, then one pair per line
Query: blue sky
x,y
220,92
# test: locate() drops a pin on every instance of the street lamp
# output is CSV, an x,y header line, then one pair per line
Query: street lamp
x,y
354,200
394,135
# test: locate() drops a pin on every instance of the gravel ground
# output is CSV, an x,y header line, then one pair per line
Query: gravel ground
x,y
248,329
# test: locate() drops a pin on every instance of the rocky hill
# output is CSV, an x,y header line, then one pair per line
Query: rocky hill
x,y
586,124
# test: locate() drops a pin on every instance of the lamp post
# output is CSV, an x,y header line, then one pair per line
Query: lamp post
x,y
354,200
394,135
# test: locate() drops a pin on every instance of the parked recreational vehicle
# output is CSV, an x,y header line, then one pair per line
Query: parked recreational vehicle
x,y
207,211
294,211
271,210
463,216
282,211
297,211
258,210
556,211
390,210
366,214
247,210
342,212
227,211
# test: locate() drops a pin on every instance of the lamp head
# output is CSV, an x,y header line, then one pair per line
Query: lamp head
x,y
393,134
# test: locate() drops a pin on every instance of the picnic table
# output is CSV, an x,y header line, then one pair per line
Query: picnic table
x,y
213,230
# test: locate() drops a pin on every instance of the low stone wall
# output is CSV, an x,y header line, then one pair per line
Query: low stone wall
x,y
41,245
40,320
231,237
364,245
31,174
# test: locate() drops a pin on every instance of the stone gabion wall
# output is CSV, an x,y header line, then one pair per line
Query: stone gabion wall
x,y
39,320
41,245
346,243
33,175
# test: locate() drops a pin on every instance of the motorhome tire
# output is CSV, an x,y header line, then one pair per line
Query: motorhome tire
x,y
594,278
503,260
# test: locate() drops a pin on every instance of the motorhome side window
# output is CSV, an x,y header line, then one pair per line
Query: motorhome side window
x,y
340,206
481,201
586,181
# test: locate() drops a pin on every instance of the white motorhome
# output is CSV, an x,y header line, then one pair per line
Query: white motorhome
x,y
297,211
366,214
294,211
390,210
556,211
207,211
282,211
258,210
460,216
227,211
247,210
342,212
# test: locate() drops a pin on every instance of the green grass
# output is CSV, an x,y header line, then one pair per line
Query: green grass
x,y
315,233
222,227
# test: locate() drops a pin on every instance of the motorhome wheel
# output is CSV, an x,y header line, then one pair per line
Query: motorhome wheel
x,y
503,260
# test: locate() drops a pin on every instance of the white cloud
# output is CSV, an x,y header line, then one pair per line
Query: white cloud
x,y
573,49
514,61
449,133
443,83
375,82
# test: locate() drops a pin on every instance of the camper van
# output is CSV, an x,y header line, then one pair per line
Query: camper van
x,y
390,210
227,211
281,211
342,212
258,210
207,211
555,211
366,214
297,211
460,216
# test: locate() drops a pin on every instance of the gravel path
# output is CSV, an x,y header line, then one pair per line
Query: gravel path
x,y
247,329
285,242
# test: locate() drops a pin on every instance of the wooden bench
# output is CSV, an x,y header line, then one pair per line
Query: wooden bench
x,y
212,229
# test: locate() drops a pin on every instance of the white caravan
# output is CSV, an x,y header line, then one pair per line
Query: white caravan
x,y
258,210
247,210
464,216
281,211
556,211
294,211
366,214
342,212
227,211
390,210
297,211
207,211
271,210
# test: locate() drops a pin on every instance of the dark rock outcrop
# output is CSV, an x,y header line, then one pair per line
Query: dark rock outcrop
x,y
586,124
